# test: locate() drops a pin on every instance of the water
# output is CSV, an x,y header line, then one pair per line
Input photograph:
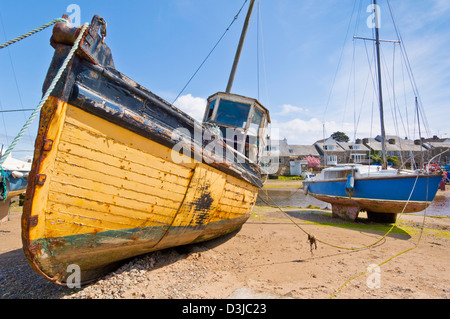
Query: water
x,y
296,198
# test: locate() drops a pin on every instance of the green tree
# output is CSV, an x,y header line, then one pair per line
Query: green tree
x,y
340,137
394,160
374,157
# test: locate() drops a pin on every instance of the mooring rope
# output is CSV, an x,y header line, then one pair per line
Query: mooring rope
x,y
389,259
26,35
47,93
50,88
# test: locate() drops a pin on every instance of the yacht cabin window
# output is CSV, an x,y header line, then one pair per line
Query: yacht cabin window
x,y
337,174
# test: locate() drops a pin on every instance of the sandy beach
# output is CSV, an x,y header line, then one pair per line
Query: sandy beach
x,y
269,257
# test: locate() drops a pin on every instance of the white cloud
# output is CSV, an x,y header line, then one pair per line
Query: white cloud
x,y
288,109
440,7
193,106
306,132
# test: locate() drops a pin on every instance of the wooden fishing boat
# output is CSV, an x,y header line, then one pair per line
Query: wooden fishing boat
x,y
119,172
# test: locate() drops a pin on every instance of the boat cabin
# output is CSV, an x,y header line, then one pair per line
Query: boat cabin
x,y
242,122
357,170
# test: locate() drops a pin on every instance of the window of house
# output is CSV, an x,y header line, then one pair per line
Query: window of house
x,y
332,159
357,158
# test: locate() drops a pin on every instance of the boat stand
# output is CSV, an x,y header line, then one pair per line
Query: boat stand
x,y
345,212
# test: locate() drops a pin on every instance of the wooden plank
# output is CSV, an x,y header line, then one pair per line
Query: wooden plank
x,y
121,136
108,220
127,165
83,194
110,147
75,165
151,215
200,204
125,189
52,131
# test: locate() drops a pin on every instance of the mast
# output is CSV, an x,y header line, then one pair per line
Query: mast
x,y
380,88
420,135
239,49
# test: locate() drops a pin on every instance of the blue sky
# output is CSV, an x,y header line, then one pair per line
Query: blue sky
x,y
302,78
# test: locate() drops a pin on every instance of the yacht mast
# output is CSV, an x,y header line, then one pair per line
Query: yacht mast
x,y
380,88
239,49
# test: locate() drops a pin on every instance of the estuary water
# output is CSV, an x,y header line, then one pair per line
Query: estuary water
x,y
296,198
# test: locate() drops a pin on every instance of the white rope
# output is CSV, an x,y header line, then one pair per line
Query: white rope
x,y
46,95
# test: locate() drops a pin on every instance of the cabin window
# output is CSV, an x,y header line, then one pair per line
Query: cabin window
x,y
337,174
210,110
232,113
256,121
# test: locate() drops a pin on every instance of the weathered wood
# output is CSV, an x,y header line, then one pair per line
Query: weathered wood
x,y
106,192
110,189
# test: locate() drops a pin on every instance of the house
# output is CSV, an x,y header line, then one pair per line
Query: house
x,y
439,150
407,151
331,153
290,159
355,152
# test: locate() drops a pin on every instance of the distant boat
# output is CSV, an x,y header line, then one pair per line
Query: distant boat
x,y
13,182
380,191
15,173
119,172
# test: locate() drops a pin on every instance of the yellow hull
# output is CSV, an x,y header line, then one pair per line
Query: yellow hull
x,y
99,193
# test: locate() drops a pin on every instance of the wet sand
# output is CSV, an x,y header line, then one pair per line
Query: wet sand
x,y
269,257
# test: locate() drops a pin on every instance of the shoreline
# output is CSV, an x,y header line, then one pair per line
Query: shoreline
x,y
269,257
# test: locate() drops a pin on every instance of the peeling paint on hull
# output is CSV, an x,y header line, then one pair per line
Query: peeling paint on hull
x,y
100,253
104,186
